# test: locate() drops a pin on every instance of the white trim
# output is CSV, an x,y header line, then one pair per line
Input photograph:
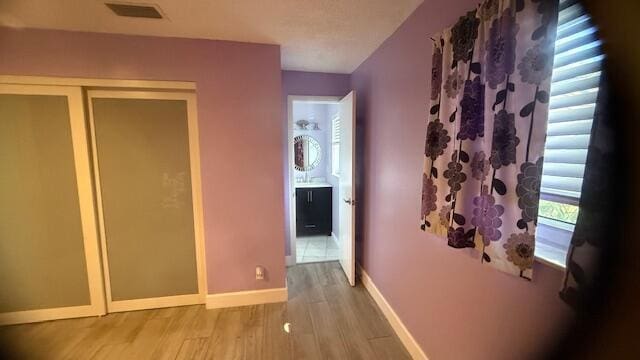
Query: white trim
x,y
196,193
196,190
92,82
244,298
85,192
99,206
551,238
290,260
335,239
31,316
154,303
86,206
315,99
396,323
549,263
291,193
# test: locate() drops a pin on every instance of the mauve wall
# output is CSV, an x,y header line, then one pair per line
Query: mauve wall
x,y
239,114
308,84
455,307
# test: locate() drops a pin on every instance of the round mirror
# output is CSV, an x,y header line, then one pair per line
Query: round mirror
x,y
307,152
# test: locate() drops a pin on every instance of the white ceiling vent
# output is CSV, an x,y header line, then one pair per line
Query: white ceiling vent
x,y
148,11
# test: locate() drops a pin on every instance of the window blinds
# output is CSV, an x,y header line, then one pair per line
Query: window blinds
x,y
574,89
335,146
335,130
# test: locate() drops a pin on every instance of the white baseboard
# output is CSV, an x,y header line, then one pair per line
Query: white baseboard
x,y
155,303
335,239
290,260
31,316
405,336
244,298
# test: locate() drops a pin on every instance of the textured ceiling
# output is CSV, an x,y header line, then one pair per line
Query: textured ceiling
x,y
315,35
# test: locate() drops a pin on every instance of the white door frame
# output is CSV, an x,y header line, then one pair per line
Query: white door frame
x,y
291,193
196,190
97,83
87,214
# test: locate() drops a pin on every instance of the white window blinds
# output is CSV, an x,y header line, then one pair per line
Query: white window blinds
x,y
335,130
574,89
335,146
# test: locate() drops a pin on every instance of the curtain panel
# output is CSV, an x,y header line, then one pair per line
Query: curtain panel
x,y
486,130
600,199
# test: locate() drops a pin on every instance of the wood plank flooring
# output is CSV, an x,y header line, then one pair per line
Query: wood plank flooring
x,y
328,320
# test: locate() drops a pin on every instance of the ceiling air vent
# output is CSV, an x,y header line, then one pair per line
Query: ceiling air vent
x,y
135,10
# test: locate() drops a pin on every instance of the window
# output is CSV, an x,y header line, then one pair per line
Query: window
x,y
335,146
558,211
574,90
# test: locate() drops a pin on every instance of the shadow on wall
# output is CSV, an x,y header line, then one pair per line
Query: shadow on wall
x,y
360,182
360,200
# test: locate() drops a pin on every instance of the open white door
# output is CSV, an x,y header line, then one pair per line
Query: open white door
x,y
347,209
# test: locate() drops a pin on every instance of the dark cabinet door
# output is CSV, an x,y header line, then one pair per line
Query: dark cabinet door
x,y
313,211
303,211
320,209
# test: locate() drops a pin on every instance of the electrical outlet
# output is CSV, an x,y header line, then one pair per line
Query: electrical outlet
x,y
259,273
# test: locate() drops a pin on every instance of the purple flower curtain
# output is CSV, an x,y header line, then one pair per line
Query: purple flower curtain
x,y
486,130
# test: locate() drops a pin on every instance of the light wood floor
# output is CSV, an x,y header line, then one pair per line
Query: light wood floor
x,y
329,320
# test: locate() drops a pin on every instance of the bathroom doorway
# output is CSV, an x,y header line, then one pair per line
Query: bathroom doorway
x,y
320,202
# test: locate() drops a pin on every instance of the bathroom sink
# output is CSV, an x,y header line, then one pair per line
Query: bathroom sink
x,y
312,184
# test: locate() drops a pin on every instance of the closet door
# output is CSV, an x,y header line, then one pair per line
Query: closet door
x,y
148,189
49,259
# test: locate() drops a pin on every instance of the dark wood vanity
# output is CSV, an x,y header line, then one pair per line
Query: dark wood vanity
x,y
313,211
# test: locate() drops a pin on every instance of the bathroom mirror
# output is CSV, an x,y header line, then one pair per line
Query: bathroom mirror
x,y
307,153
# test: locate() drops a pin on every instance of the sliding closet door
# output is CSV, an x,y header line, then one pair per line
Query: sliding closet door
x,y
147,171
49,259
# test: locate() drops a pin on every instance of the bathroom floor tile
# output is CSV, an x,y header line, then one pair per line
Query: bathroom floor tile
x,y
317,244
333,252
315,252
316,249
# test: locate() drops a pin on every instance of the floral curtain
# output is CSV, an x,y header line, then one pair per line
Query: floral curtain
x,y
599,199
486,130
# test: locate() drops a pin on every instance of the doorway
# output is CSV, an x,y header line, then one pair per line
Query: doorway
x,y
321,207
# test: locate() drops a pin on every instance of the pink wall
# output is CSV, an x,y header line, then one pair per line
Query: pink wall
x,y
239,113
455,307
309,84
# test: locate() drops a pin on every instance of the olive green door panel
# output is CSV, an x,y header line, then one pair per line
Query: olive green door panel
x,y
142,148
42,254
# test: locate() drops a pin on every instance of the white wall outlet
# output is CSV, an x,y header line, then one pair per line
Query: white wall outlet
x,y
259,273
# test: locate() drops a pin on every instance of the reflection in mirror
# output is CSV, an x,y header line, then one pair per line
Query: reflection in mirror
x,y
307,153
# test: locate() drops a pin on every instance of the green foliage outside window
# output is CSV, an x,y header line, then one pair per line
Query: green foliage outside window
x,y
558,211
